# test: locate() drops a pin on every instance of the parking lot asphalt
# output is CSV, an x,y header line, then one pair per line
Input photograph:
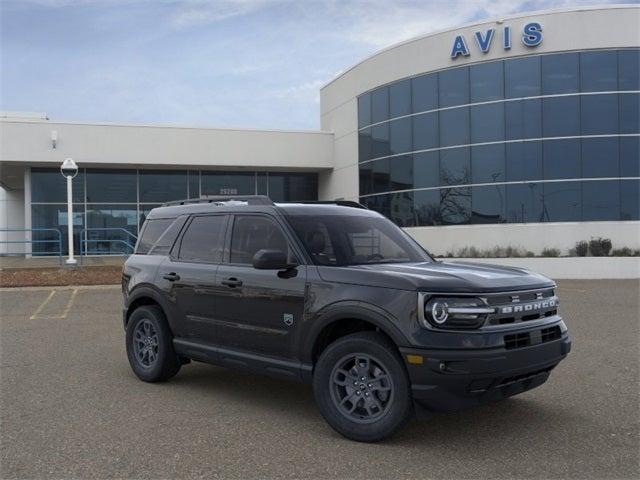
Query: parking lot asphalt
x,y
71,407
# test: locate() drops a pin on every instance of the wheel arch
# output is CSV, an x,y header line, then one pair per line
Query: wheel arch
x,y
142,296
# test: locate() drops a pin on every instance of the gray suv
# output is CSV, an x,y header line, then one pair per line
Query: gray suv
x,y
335,295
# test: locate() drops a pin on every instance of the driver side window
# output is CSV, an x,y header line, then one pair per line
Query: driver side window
x,y
255,232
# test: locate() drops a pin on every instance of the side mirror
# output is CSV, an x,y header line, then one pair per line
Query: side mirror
x,y
271,260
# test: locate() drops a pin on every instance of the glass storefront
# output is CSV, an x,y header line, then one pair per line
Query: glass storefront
x,y
543,138
110,205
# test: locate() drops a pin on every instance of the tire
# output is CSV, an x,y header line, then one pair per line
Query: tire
x,y
383,404
150,345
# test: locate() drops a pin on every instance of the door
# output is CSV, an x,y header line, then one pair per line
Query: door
x,y
258,311
190,276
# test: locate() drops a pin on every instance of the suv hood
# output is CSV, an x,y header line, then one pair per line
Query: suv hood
x,y
463,277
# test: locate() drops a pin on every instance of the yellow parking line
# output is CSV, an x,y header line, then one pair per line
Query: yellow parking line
x,y
42,305
60,316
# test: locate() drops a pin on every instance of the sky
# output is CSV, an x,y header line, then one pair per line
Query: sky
x,y
219,63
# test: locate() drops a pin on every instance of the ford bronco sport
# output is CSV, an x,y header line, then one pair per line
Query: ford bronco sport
x,y
335,295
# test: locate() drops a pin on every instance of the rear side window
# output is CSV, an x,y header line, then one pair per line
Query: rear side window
x,y
204,239
168,238
151,232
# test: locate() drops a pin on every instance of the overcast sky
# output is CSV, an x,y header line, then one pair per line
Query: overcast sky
x,y
245,63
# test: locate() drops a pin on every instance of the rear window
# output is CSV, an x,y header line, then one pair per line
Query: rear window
x,y
151,232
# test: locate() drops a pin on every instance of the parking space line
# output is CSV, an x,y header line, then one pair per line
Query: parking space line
x,y
42,305
60,316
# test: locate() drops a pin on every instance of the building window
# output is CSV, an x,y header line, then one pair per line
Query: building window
x,y
400,99
486,81
228,183
49,186
522,77
163,186
380,105
424,93
560,73
453,87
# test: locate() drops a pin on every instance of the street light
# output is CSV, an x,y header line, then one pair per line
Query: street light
x,y
69,169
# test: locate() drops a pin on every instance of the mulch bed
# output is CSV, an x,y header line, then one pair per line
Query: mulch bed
x,y
37,277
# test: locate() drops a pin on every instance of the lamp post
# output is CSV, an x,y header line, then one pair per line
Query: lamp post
x,y
69,169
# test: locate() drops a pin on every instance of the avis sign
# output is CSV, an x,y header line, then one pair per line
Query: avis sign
x,y
531,37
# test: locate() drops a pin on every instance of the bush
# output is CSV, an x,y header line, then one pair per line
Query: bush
x,y
600,247
582,248
625,252
550,252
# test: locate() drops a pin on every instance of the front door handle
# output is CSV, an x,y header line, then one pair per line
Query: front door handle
x,y
172,276
232,282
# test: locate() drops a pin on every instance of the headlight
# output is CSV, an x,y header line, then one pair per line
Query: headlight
x,y
455,312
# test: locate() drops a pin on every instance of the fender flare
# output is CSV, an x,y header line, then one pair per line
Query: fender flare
x,y
366,312
146,290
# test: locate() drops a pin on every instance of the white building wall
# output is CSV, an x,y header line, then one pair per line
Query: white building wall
x,y
11,217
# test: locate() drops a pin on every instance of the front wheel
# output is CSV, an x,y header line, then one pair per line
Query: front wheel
x,y
362,388
150,345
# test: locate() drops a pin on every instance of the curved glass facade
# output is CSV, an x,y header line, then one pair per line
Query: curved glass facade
x,y
541,138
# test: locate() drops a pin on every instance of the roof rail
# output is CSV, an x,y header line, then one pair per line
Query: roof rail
x,y
342,203
250,199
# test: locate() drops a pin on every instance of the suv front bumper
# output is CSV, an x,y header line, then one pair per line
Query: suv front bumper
x,y
449,380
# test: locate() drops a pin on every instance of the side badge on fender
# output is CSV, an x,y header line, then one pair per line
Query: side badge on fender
x,y
287,318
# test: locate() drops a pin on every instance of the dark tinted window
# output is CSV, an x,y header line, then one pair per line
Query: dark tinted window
x,y
116,227
629,113
424,92
204,239
455,167
455,205
381,175
630,200
523,119
401,172
601,200
194,184
364,110
165,242
228,183
523,161
426,168
599,114
426,205
488,204
380,105
562,202
560,73
366,185
629,70
292,187
600,157
151,233
115,186
252,233
400,98
163,186
400,135
630,156
561,116
598,71
487,81
561,159
487,123
380,141
454,87
49,186
425,131
524,203
487,164
522,77
454,127
364,144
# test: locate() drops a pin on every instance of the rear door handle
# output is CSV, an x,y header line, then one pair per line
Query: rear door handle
x,y
172,277
232,282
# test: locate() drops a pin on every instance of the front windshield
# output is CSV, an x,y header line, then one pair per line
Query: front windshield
x,y
341,240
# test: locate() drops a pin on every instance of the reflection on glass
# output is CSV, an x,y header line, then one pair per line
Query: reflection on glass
x,y
487,164
400,98
488,204
522,77
562,202
630,157
380,141
194,184
107,229
454,87
629,113
598,71
162,186
601,200
454,127
561,159
524,203
364,145
292,187
381,175
427,207
111,186
364,110
560,73
455,205
400,135
426,169
54,217
487,81
523,161
523,119
487,123
401,172
629,69
425,131
630,199
561,116
228,183
380,105
424,92
49,186
455,166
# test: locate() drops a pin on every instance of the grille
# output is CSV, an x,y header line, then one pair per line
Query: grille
x,y
524,376
519,307
525,339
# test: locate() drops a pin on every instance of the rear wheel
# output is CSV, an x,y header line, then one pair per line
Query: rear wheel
x,y
150,345
361,387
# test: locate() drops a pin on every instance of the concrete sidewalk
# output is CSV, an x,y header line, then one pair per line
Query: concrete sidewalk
x,y
20,261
